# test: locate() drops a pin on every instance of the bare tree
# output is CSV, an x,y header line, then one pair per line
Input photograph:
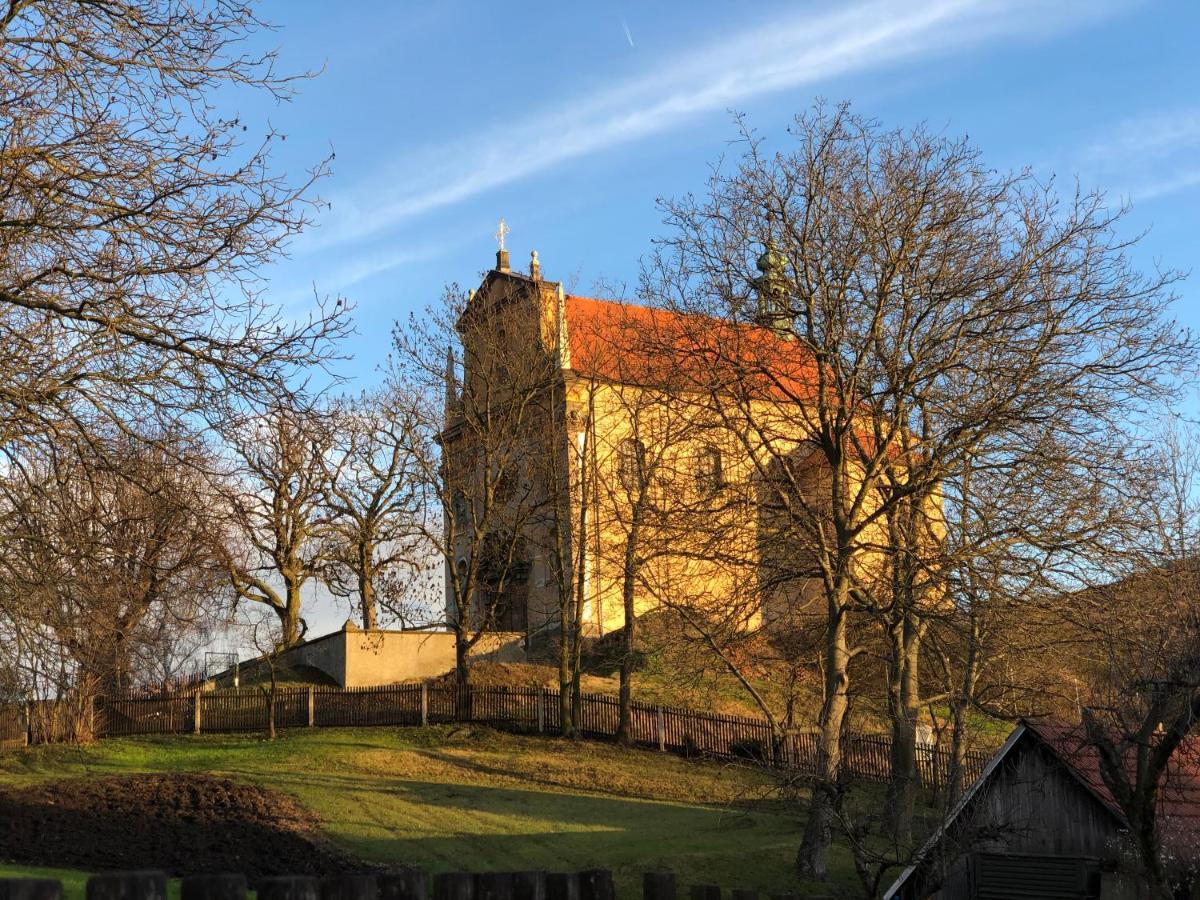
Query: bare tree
x,y
1140,636
922,311
472,374
133,219
371,499
274,500
111,563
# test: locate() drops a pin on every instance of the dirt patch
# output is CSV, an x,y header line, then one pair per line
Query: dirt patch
x,y
183,824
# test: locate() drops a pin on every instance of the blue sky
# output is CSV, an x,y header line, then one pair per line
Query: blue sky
x,y
569,119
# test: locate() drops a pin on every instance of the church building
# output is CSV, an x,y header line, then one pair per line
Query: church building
x,y
588,469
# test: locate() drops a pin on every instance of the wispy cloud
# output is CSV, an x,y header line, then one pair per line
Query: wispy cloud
x,y
804,50
354,271
1148,156
628,33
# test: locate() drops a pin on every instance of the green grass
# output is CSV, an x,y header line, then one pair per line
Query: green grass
x,y
454,798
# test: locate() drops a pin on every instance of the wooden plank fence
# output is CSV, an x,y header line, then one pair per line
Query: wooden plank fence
x,y
408,884
685,732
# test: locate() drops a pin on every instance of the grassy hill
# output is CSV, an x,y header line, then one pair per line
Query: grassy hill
x,y
455,798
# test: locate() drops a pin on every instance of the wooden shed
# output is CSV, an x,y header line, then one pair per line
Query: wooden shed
x,y
1040,823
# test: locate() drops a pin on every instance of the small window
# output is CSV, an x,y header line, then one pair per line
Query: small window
x,y
631,464
708,472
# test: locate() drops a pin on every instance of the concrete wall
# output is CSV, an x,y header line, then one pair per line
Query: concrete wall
x,y
327,654
356,658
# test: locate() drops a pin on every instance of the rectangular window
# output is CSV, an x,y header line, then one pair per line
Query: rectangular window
x,y
708,472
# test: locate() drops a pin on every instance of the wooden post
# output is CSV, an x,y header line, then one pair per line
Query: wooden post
x,y
349,887
562,886
30,889
424,704
529,885
453,886
662,730
312,707
213,887
541,702
597,884
287,887
494,886
127,886
658,886
196,713
412,884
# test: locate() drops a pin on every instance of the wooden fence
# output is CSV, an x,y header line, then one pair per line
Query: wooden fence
x,y
405,884
531,710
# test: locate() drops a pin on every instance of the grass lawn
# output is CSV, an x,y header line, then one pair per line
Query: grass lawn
x,y
466,798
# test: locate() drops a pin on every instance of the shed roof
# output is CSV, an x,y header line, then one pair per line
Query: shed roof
x,y
1179,791
1179,796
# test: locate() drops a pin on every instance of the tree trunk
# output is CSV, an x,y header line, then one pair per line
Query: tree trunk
x,y
812,860
565,708
904,644
958,711
628,635
462,677
366,592
289,616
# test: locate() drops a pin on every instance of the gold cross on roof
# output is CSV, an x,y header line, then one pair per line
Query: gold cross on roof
x,y
502,233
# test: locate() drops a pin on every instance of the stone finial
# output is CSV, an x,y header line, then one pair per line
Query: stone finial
x,y
535,266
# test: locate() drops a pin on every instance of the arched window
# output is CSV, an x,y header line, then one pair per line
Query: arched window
x,y
631,464
709,478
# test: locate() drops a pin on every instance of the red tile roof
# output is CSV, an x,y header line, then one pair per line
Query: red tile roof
x,y
653,347
1179,793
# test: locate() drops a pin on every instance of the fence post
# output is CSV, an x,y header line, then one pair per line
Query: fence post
x,y
541,702
127,886
196,712
349,887
494,886
412,884
287,887
596,884
562,886
424,703
312,707
31,889
453,886
213,887
662,730
658,886
529,885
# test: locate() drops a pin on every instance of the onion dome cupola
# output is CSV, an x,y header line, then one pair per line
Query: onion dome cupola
x,y
773,289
